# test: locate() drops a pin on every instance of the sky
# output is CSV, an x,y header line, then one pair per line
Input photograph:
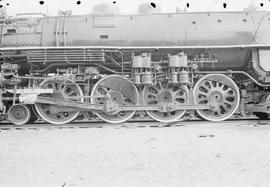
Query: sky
x,y
51,7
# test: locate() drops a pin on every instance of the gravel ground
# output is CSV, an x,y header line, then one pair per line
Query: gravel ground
x,y
195,154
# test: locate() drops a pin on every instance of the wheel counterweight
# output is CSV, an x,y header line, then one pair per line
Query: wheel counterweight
x,y
221,93
118,91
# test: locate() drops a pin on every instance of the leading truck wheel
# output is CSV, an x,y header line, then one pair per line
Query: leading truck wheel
x,y
19,114
63,89
119,91
220,92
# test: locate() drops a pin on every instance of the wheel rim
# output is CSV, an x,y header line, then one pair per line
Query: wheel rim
x,y
121,91
221,93
63,88
19,114
163,93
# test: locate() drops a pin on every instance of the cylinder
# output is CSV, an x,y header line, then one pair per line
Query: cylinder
x,y
174,77
137,78
147,78
183,77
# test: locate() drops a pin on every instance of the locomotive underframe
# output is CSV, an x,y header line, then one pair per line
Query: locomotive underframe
x,y
24,69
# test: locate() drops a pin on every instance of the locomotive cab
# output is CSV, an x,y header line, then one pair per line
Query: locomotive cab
x,y
264,62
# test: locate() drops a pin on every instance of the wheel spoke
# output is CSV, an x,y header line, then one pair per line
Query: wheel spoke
x,y
203,101
221,86
167,94
204,89
202,93
52,113
153,90
72,93
229,103
207,85
229,92
226,107
180,97
224,98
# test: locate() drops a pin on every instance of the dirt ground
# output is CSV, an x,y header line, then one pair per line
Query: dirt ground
x,y
195,154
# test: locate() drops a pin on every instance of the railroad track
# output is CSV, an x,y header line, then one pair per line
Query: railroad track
x,y
130,125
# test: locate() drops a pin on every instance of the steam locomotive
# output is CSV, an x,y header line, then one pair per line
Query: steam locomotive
x,y
161,65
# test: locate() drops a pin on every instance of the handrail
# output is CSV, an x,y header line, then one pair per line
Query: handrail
x,y
29,14
237,72
140,47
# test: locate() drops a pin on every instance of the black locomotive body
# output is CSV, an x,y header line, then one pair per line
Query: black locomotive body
x,y
62,68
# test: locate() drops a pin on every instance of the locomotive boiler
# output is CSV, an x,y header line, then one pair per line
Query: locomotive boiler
x,y
63,68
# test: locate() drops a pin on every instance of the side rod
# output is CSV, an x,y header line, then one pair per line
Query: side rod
x,y
82,106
